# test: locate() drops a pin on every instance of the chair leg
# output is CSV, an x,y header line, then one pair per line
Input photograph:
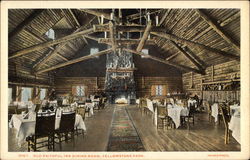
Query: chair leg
x,y
34,144
28,145
167,123
193,120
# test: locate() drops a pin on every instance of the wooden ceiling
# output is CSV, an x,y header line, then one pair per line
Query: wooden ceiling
x,y
191,39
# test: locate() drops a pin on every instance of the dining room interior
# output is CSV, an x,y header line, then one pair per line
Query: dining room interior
x,y
124,80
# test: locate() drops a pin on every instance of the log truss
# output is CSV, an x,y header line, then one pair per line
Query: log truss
x,y
115,27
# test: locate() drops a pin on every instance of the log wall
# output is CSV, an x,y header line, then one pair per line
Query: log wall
x,y
192,82
63,85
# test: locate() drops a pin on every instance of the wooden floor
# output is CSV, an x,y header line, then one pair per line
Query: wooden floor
x,y
203,136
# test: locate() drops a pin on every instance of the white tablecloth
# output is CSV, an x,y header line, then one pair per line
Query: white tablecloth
x,y
215,111
150,105
91,107
234,109
26,127
234,126
176,112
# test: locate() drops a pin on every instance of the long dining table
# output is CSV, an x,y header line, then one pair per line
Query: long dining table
x,y
26,126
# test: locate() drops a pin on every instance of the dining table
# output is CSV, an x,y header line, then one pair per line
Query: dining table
x,y
175,111
234,126
25,125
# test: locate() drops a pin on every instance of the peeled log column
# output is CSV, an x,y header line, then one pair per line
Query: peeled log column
x,y
112,35
144,37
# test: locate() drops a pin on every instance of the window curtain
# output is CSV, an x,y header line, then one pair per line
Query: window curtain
x,y
164,90
74,91
153,90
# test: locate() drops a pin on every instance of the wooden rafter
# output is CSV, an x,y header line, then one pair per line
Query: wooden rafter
x,y
96,13
172,56
188,56
185,68
62,57
127,28
74,61
122,41
144,37
191,43
25,23
219,30
164,17
50,43
138,15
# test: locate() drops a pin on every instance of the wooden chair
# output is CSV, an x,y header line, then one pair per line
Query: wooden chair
x,y
81,111
144,106
66,126
20,110
11,110
208,109
162,114
224,109
191,115
44,128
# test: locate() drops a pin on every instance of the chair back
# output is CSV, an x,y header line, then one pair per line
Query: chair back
x,y
162,111
12,109
191,109
45,125
20,110
207,106
225,112
143,102
38,106
81,111
67,122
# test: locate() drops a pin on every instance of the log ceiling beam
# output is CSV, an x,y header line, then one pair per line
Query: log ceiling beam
x,y
112,35
62,57
172,56
74,61
137,15
144,37
219,30
56,50
122,41
93,38
191,43
25,23
97,13
164,17
188,56
50,43
181,67
127,28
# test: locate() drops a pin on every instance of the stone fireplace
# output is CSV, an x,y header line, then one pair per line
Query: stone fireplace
x,y
119,82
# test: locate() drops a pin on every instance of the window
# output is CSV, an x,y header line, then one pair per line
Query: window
x,y
80,91
10,95
42,93
145,51
94,51
50,34
158,90
26,94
